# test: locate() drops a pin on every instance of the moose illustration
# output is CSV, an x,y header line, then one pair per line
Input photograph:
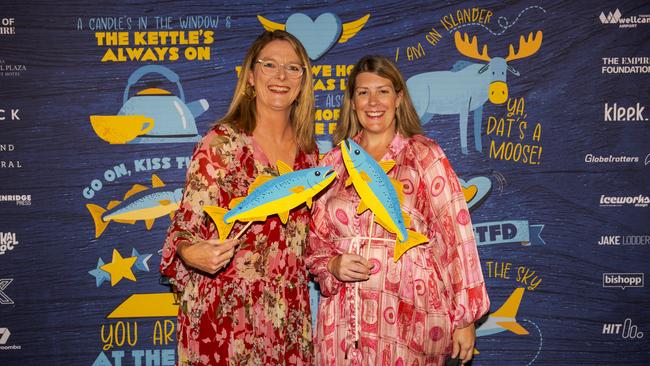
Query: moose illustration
x,y
468,85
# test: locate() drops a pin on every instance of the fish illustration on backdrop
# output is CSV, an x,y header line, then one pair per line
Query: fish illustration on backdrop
x,y
139,203
381,194
269,195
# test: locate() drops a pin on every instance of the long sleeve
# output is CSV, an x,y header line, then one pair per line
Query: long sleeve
x,y
452,221
190,224
321,248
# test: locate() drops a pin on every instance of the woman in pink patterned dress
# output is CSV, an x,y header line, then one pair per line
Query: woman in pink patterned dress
x,y
422,309
246,302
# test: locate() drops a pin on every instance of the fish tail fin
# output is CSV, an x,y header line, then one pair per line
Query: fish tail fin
x,y
414,239
217,213
96,212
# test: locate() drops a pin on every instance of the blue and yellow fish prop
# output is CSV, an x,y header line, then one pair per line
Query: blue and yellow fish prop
x,y
379,193
269,195
140,203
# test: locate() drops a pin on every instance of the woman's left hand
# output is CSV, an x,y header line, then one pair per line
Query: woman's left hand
x,y
463,343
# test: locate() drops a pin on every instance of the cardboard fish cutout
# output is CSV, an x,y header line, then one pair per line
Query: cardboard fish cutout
x,y
139,203
270,195
379,193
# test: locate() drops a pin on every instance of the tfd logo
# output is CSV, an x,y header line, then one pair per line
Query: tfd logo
x,y
625,330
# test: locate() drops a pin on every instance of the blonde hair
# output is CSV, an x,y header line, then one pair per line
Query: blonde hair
x,y
242,112
407,122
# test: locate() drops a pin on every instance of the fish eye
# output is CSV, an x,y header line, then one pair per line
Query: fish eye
x,y
317,174
357,151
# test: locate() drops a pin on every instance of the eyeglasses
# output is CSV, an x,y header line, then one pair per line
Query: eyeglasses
x,y
272,68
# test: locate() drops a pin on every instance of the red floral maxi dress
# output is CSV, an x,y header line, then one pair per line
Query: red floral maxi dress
x,y
406,312
256,310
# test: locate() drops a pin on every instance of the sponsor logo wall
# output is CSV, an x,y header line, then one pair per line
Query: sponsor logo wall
x,y
540,107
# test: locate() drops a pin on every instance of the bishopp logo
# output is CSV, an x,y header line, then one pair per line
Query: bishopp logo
x,y
616,18
620,201
319,35
626,330
623,280
616,113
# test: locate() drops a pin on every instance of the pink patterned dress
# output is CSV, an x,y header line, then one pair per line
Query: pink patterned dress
x,y
406,312
256,310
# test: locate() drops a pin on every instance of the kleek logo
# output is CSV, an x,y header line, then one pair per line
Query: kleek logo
x,y
626,330
4,338
8,242
20,199
7,26
623,280
616,113
611,159
4,299
11,114
616,18
614,201
624,240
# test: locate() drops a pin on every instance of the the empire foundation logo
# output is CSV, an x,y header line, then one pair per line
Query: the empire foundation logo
x,y
620,201
7,26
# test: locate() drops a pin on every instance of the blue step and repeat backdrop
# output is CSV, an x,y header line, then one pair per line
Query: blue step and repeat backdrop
x,y
101,106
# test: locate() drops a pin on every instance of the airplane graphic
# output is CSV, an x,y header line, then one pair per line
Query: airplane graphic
x,y
504,318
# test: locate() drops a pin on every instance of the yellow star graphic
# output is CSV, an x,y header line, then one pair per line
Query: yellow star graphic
x,y
120,268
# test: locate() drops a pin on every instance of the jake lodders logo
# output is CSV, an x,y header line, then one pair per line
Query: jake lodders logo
x,y
624,240
623,280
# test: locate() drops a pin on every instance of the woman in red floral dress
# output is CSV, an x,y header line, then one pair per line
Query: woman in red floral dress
x,y
375,311
246,302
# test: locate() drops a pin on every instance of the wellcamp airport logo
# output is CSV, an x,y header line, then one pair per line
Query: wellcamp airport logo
x,y
620,113
617,18
620,201
626,330
623,280
4,338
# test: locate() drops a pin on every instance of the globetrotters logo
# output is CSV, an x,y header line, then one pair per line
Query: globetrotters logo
x,y
623,280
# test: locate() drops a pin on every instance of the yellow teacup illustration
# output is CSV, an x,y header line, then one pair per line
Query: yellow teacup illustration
x,y
121,129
